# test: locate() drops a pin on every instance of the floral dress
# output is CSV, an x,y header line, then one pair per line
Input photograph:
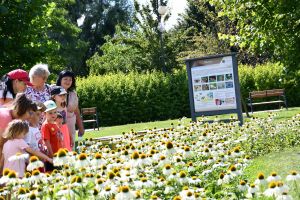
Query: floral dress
x,y
38,96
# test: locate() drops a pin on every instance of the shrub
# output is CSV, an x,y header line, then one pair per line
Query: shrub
x,y
133,97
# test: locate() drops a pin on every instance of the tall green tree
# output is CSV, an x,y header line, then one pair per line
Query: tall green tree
x,y
139,48
272,26
37,31
206,25
98,20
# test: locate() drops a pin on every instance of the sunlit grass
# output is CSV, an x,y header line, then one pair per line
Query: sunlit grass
x,y
117,130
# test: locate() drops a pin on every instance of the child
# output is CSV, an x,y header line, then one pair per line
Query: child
x,y
64,129
58,95
15,133
34,137
51,134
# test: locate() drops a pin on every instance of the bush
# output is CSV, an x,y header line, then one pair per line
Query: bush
x,y
129,98
134,97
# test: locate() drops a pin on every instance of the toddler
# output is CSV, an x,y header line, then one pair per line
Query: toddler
x,y
15,149
51,133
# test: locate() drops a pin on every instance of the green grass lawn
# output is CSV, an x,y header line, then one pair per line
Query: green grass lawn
x,y
280,162
117,130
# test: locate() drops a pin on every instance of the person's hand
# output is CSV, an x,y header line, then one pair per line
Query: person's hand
x,y
50,160
80,133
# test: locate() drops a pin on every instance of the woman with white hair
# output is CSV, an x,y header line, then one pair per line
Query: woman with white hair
x,y
40,91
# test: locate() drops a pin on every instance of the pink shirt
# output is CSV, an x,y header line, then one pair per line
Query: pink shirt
x,y
5,118
11,148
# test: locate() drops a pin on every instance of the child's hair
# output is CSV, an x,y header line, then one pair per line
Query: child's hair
x,y
59,116
40,106
63,104
22,104
15,128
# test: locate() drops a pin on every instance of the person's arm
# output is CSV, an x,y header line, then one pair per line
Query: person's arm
x,y
2,141
38,154
46,137
79,122
1,164
48,145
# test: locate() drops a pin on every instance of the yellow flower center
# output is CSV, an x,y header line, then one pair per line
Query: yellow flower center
x,y
169,145
168,166
135,155
33,159
6,172
242,182
125,189
12,174
82,156
261,176
22,191
272,184
61,153
182,174
35,172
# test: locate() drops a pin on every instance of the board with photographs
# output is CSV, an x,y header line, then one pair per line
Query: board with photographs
x,y
213,85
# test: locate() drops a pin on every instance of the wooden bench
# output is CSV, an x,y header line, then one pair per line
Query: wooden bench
x,y
265,94
92,115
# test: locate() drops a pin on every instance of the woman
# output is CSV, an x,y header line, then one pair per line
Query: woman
x,y
22,109
13,82
40,91
66,79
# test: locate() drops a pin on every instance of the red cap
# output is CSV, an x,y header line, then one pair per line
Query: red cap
x,y
20,75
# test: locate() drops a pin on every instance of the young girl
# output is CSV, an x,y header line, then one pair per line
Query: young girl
x,y
15,133
34,137
58,95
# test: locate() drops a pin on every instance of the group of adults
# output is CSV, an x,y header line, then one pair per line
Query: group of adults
x,y
19,90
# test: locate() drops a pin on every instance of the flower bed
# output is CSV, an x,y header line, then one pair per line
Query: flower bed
x,y
192,161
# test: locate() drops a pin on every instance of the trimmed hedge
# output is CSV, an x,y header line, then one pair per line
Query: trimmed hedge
x,y
122,99
129,98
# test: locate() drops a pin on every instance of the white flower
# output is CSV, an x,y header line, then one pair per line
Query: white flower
x,y
187,195
18,156
284,196
125,194
34,165
242,186
253,189
167,170
273,177
294,176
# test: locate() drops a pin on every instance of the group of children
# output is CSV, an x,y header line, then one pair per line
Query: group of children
x,y
41,140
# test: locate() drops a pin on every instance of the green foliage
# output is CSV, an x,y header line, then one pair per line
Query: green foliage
x,y
262,26
38,31
261,77
100,20
133,97
140,48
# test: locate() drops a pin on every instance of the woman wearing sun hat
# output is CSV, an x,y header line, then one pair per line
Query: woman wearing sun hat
x,y
12,83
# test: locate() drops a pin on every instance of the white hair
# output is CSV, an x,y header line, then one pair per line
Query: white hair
x,y
39,70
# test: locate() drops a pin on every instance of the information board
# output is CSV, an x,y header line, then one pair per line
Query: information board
x,y
214,85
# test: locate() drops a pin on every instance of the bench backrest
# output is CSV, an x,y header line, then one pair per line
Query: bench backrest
x,y
88,111
266,93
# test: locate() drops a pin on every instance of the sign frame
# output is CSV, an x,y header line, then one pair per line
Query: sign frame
x,y
238,109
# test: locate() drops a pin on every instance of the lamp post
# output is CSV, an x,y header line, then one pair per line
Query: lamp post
x,y
162,10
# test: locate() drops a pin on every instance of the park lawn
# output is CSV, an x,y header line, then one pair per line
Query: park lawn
x,y
282,163
118,130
